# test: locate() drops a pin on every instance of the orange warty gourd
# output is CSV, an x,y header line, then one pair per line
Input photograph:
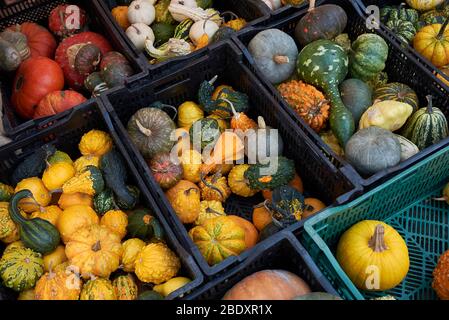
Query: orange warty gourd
x,y
185,200
441,277
116,221
41,195
74,218
120,15
251,234
58,286
51,214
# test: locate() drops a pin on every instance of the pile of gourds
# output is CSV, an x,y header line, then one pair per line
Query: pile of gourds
x,y
340,84
171,28
50,76
65,224
200,172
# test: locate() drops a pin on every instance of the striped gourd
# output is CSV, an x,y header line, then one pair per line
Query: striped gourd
x,y
398,92
426,127
98,289
125,287
21,268
182,30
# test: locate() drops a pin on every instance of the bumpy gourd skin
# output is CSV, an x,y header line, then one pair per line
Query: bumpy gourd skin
x,y
90,181
7,225
325,64
238,183
125,287
53,286
185,200
98,289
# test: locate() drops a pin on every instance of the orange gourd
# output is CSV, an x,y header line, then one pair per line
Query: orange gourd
x,y
239,120
441,277
41,195
312,207
51,214
251,234
185,200
295,183
120,15
74,218
261,216
75,199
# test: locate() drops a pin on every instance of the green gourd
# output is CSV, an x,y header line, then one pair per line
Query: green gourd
x,y
357,97
6,192
143,225
394,13
258,179
162,32
36,234
324,64
104,201
404,30
205,132
34,165
398,92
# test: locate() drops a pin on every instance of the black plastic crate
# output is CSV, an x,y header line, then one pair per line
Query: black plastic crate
x,y
38,11
401,67
322,179
254,12
284,253
65,135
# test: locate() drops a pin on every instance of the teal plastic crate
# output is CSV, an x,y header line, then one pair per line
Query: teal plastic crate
x,y
406,203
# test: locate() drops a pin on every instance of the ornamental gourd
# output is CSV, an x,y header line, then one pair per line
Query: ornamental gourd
x,y
218,239
150,130
95,250
171,285
21,268
60,18
372,150
57,174
55,258
191,161
74,218
269,141
251,233
401,12
385,250
398,92
274,53
131,249
6,192
268,285
166,173
188,113
50,213
215,188
141,11
209,210
68,200
404,30
41,197
323,22
53,286
89,181
432,43
185,200
357,97
259,181
82,162
95,143
313,66
125,287
390,115
408,148
7,225
10,57
204,132
120,14
156,263
424,5
426,126
116,221
440,279
238,183
104,201
309,103
143,225
37,234
98,289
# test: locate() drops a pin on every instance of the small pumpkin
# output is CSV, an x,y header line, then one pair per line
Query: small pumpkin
x,y
185,200
150,130
218,239
120,14
378,264
116,74
260,178
125,287
251,234
141,12
138,33
238,183
404,30
104,201
357,97
390,115
209,210
50,213
274,53
74,218
7,225
240,121
116,221
60,20
397,92
58,101
95,250
262,216
41,196
440,280
131,249
268,285
58,286
431,43
59,156
57,174
191,161
13,245
188,113
54,258
95,143
73,199
156,263
215,188
98,289
40,41
313,206
166,173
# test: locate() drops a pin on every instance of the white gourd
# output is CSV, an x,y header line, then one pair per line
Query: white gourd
x,y
141,11
182,12
200,28
187,3
273,4
138,33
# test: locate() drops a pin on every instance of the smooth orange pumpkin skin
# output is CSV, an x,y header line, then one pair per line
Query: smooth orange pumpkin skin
x,y
312,207
74,218
268,285
436,50
58,101
73,199
251,234
261,217
295,183
41,195
40,40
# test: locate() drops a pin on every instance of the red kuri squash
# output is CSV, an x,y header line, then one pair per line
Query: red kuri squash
x,y
57,102
40,40
35,78
66,19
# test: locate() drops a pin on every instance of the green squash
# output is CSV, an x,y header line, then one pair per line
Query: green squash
x,y
104,201
129,203
115,175
143,225
10,58
324,64
163,15
6,192
368,58
182,30
259,178
426,126
34,165
357,97
150,295
36,234
398,92
395,13
379,80
204,132
404,30
116,74
21,268
162,32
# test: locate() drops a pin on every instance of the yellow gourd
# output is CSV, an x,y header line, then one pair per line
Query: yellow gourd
x,y
238,183
373,255
120,15
215,188
424,5
171,285
131,249
188,113
75,199
74,218
54,258
185,200
15,236
40,194
51,214
191,164
15,244
98,289
57,174
156,263
116,221
89,181
95,143
7,225
390,115
209,210
85,161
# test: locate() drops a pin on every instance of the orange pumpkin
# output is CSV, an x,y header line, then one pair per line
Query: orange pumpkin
x,y
268,285
251,234
74,218
58,101
295,183
432,42
75,199
261,217
312,207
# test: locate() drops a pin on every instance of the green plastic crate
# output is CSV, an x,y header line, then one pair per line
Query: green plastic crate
x,y
406,203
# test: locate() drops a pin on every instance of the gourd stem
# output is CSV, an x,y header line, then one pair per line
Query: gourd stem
x,y
96,247
311,5
142,129
281,59
441,199
261,123
377,241
212,81
236,114
429,104
443,29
